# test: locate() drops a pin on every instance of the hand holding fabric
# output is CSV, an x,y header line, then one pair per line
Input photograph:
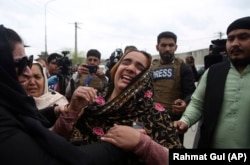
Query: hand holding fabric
x,y
82,97
136,140
124,137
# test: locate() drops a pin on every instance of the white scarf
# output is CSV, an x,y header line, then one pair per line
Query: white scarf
x,y
49,97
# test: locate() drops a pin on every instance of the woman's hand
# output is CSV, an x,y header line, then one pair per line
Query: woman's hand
x,y
82,97
124,137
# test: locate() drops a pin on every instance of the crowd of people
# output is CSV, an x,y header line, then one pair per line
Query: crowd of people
x,y
134,113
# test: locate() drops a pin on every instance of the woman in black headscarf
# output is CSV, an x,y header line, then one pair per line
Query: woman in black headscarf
x,y
24,134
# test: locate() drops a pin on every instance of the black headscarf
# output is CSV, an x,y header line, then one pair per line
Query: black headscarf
x,y
25,110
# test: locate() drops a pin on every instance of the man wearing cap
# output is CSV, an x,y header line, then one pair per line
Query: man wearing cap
x,y
222,99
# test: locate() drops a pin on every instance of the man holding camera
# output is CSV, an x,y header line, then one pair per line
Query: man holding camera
x,y
88,74
53,70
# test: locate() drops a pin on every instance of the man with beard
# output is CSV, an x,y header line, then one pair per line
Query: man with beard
x,y
221,100
173,80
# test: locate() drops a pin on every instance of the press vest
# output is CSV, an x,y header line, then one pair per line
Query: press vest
x,y
167,82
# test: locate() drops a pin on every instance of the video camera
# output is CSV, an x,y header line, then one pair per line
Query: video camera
x,y
114,57
218,46
64,63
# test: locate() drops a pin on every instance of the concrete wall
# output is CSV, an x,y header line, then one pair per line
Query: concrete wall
x,y
197,54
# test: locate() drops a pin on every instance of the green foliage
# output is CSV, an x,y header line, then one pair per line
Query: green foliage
x,y
77,58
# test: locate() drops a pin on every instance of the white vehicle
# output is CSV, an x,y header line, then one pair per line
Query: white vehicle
x,y
103,68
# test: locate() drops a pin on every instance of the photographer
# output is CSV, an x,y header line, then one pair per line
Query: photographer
x,y
65,71
114,57
191,62
53,70
59,71
88,74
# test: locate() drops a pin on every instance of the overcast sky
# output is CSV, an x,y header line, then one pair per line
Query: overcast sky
x,y
109,24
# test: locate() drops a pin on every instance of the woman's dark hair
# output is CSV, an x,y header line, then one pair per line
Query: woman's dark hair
x,y
13,38
8,39
129,48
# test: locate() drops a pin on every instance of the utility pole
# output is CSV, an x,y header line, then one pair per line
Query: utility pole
x,y
45,24
76,52
76,37
220,35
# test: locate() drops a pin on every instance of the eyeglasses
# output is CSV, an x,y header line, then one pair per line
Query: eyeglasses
x,y
21,64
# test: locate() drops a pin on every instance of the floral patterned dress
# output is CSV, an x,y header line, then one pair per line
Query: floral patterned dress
x,y
134,104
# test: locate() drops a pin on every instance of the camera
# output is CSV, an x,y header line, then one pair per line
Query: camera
x,y
114,57
217,54
64,63
92,68
218,46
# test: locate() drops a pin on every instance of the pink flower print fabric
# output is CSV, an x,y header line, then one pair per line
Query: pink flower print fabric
x,y
159,107
98,131
148,94
100,100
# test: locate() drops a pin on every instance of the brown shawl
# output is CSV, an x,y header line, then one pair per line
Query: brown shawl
x,y
135,103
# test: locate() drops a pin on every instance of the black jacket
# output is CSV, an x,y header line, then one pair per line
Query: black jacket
x,y
217,74
24,135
